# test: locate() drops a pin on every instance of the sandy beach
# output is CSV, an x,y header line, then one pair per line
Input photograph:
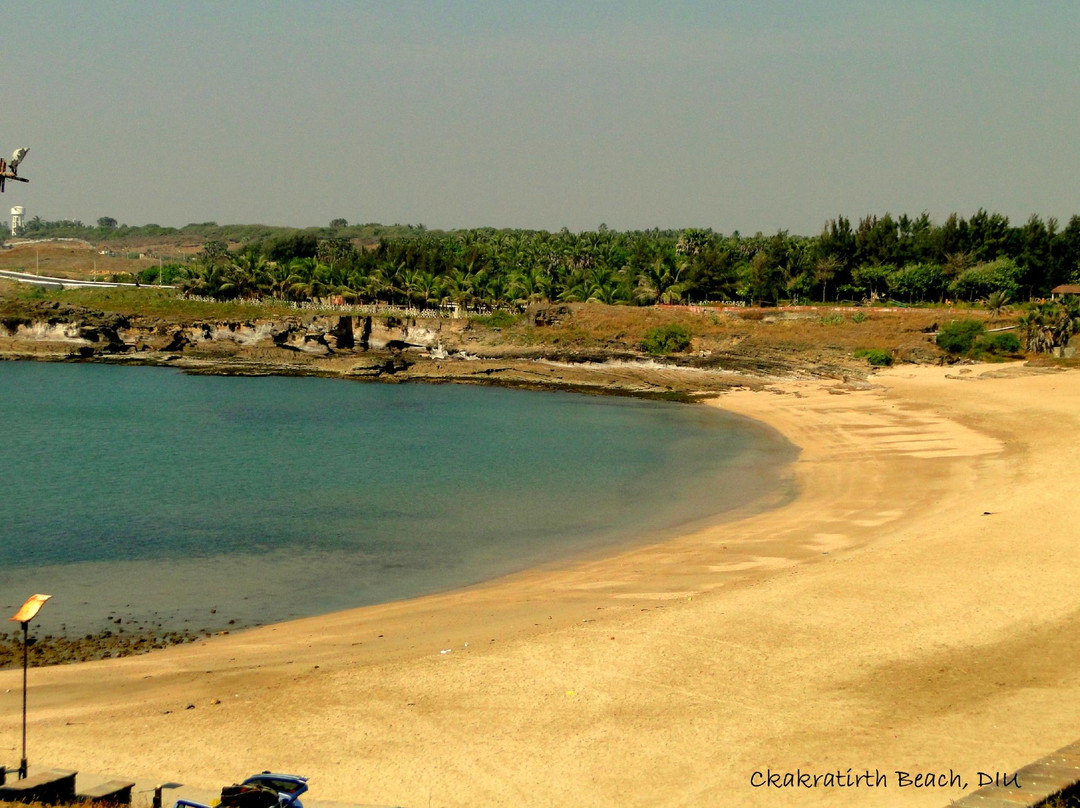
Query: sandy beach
x,y
914,609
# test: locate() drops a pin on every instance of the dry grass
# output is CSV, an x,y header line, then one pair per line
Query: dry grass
x,y
758,340
809,331
76,260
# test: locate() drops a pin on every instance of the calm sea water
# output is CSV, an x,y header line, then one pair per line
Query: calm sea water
x,y
149,494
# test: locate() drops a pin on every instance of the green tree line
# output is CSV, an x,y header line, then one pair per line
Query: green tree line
x,y
878,258
109,229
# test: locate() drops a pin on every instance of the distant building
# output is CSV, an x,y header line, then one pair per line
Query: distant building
x,y
1065,289
17,219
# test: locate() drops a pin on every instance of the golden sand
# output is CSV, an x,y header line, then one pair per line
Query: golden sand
x,y
914,609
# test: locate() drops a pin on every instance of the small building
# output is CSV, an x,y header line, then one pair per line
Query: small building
x,y
1065,289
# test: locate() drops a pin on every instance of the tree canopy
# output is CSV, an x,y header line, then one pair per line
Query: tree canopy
x,y
905,259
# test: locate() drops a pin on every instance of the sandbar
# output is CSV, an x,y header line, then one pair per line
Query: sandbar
x,y
913,609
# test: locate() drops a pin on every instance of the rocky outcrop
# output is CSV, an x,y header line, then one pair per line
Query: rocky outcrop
x,y
71,331
82,331
396,333
384,348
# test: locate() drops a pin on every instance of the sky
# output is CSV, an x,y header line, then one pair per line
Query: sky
x,y
748,116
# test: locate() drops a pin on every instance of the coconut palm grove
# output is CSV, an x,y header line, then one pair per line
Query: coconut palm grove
x,y
876,259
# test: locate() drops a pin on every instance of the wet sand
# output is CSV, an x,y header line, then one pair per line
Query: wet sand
x,y
914,609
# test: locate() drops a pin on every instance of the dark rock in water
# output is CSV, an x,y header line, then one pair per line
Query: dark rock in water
x,y
55,650
380,368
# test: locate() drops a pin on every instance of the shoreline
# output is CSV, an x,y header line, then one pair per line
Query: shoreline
x,y
644,378
701,659
124,630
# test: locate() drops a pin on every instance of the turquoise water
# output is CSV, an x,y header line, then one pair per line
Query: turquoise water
x,y
139,491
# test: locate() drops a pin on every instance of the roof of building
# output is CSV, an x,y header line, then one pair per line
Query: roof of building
x,y
1066,289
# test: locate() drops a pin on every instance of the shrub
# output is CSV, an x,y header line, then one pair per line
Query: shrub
x,y
1005,343
166,274
666,339
500,318
876,356
995,345
958,336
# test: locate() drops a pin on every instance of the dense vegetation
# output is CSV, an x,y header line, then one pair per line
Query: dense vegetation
x,y
108,229
880,258
969,337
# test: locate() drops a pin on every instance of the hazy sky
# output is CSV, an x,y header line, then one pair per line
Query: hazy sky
x,y
737,116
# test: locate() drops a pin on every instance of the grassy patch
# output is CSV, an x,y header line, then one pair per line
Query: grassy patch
x,y
497,319
165,304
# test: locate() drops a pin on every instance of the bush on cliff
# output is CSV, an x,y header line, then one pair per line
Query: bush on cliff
x,y
666,339
958,336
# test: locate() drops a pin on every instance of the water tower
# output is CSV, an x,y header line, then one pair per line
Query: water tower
x,y
17,219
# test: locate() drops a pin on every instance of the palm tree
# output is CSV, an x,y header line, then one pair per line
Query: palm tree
x,y
278,280
204,281
304,281
605,286
576,289
998,303
525,286
246,276
661,282
409,278
427,288
374,285
494,288
1050,325
460,287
